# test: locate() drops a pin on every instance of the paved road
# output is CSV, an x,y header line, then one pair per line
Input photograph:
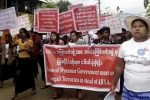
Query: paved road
x,y
42,94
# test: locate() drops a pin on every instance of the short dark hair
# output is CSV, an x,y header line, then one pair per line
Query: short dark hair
x,y
103,29
98,32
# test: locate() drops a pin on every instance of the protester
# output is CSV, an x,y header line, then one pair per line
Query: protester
x,y
55,40
99,39
24,70
76,38
121,37
16,48
134,61
88,37
65,39
103,36
41,59
7,70
36,38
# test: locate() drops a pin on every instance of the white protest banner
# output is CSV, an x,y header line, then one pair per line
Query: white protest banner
x,y
122,17
86,18
71,7
114,24
66,22
48,20
8,18
103,21
23,22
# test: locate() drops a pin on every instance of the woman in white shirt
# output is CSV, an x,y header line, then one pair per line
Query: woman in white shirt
x,y
134,61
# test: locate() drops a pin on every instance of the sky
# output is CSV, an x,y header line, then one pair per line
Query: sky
x,y
127,6
109,6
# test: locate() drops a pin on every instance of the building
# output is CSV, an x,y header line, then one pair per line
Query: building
x,y
2,4
26,6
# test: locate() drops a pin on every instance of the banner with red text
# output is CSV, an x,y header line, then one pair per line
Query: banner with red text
x,y
48,20
80,67
66,22
86,18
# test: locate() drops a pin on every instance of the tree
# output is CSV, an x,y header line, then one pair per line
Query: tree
x,y
146,3
63,5
47,5
148,9
147,6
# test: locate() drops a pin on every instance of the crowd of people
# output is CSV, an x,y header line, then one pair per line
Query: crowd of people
x,y
22,53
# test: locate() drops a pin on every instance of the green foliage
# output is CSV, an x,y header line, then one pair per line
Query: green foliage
x,y
146,3
148,9
48,5
63,5
147,6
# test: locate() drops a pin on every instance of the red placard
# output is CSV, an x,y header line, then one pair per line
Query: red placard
x,y
48,20
71,7
80,67
86,18
66,22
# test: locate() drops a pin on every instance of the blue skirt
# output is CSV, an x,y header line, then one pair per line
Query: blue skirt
x,y
130,95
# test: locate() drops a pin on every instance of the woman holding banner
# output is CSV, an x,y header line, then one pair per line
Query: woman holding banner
x,y
24,71
134,61
55,40
75,37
